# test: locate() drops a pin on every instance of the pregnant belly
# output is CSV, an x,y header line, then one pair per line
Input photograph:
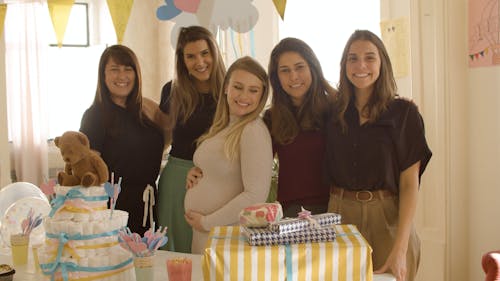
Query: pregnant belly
x,y
205,198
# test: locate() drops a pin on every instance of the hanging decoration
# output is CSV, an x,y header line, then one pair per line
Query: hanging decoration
x,y
3,11
280,7
59,11
239,15
120,13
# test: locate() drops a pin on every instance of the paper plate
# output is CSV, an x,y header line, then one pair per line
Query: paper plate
x,y
17,212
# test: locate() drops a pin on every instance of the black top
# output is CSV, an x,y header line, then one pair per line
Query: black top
x,y
184,135
131,151
373,155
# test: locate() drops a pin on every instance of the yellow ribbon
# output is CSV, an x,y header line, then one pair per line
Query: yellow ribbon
x,y
72,209
100,276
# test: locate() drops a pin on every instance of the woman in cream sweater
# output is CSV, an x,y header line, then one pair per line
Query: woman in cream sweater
x,y
233,161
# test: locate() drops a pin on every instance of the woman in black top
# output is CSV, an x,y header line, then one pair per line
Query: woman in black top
x,y
189,102
376,153
130,144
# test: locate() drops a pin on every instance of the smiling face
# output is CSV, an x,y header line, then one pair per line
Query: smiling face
x,y
363,65
198,60
244,91
120,80
295,76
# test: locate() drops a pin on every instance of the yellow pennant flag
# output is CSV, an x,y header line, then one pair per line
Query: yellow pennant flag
x,y
280,7
120,12
59,11
3,11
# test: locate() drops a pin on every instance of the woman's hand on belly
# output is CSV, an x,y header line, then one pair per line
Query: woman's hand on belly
x,y
194,219
193,176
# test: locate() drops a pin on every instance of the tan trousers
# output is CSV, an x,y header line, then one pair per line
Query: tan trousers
x,y
377,220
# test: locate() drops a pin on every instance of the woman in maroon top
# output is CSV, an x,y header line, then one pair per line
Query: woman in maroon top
x,y
296,121
376,153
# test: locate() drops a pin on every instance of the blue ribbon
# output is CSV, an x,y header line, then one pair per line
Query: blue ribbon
x,y
72,267
79,236
59,201
51,268
288,261
252,43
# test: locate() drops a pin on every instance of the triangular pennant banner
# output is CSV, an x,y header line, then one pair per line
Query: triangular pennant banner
x,y
120,12
280,7
471,57
3,11
59,11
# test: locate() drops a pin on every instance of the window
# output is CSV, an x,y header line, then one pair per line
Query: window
x,y
326,26
72,69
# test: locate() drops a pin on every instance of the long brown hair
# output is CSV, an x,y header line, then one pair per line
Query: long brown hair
x,y
124,56
286,121
221,118
185,97
384,91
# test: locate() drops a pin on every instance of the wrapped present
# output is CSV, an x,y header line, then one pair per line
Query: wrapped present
x,y
228,257
261,215
266,237
297,224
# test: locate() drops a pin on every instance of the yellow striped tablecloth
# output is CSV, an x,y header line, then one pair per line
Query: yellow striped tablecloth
x,y
229,257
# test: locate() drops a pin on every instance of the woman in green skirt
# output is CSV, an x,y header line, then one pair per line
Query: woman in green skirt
x,y
190,101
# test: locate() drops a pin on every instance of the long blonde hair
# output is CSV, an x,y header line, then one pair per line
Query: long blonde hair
x,y
184,95
221,118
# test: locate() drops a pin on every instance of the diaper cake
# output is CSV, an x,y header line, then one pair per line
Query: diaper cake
x,y
81,232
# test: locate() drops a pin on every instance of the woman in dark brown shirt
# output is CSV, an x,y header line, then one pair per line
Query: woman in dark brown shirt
x,y
376,153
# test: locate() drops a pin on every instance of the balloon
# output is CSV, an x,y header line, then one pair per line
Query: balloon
x,y
17,212
18,190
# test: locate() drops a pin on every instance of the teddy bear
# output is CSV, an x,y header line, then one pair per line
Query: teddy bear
x,y
83,166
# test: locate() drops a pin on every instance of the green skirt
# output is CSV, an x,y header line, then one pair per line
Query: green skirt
x,y
171,192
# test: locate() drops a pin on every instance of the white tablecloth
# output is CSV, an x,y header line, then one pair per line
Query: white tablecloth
x,y
28,272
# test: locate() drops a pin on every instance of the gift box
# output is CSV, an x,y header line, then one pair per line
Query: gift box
x,y
297,224
229,257
266,237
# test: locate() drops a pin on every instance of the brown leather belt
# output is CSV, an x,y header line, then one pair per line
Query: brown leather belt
x,y
362,195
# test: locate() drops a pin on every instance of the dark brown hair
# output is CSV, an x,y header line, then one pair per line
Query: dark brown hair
x,y
385,87
286,121
124,56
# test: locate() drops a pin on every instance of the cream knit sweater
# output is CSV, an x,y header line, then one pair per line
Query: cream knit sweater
x,y
229,186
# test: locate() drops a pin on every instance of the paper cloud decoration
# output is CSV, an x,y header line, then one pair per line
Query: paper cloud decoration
x,y
239,15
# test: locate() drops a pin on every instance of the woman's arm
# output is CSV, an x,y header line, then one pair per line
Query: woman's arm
x,y
408,196
256,159
159,118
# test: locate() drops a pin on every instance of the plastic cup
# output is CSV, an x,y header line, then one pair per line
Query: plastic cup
x,y
144,269
179,269
19,248
34,250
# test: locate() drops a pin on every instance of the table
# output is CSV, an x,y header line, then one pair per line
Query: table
x,y
28,273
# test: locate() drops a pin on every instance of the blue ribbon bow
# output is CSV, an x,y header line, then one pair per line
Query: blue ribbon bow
x,y
59,201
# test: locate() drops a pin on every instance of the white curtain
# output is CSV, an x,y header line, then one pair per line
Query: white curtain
x,y
26,63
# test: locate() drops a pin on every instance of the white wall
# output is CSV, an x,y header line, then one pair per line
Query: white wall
x,y
483,100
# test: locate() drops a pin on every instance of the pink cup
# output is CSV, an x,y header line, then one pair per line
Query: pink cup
x,y
179,269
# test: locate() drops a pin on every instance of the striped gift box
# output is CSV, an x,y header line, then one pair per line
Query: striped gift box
x,y
229,257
